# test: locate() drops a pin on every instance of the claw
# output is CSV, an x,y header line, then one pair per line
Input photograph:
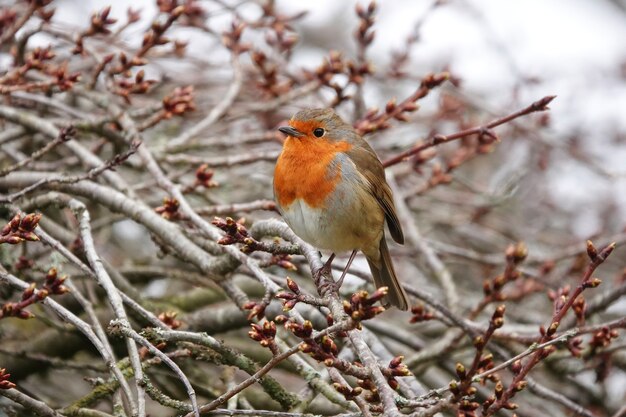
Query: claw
x,y
324,271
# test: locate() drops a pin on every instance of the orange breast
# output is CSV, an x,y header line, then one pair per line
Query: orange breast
x,y
302,170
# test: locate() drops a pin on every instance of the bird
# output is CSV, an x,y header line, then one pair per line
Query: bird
x,y
330,188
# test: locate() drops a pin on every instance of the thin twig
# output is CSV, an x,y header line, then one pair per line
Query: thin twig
x,y
539,105
113,296
438,268
69,179
122,327
218,111
38,407
83,327
63,137
248,381
8,34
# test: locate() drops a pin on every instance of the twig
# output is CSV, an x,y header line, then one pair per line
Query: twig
x,y
38,407
54,362
11,134
387,395
64,135
231,357
165,183
222,161
336,376
596,259
274,104
83,327
249,381
543,392
86,304
120,203
38,124
218,111
113,296
434,262
64,179
122,327
266,413
57,105
530,350
8,34
539,105
268,205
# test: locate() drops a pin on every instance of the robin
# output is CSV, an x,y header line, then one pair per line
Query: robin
x,y
330,188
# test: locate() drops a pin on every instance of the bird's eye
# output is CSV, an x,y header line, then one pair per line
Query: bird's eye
x,y
319,132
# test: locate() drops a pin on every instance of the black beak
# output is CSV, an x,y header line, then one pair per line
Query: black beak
x,y
290,131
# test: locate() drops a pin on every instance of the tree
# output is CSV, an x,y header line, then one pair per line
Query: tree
x,y
145,269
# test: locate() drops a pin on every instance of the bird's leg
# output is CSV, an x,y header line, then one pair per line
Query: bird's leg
x,y
345,270
324,270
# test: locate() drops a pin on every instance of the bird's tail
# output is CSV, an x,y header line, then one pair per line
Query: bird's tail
x,y
385,276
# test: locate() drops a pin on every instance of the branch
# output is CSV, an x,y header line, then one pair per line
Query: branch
x,y
104,280
69,179
38,407
122,327
8,34
596,259
83,327
218,111
539,105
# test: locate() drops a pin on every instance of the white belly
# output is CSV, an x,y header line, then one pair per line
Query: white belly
x,y
338,229
317,228
349,218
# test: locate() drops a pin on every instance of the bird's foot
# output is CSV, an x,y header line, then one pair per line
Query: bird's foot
x,y
345,271
324,273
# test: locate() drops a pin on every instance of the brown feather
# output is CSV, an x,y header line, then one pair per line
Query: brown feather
x,y
385,276
372,169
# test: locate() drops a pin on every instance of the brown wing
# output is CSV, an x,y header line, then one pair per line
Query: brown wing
x,y
372,169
